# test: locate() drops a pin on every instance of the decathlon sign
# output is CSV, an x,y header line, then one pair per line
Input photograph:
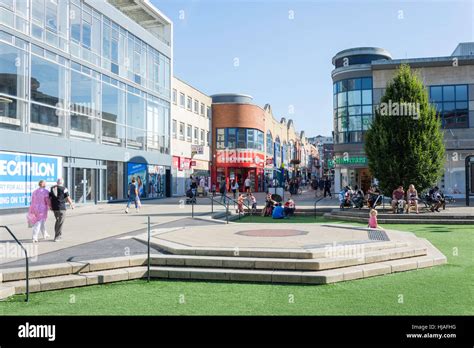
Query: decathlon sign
x,y
20,173
240,158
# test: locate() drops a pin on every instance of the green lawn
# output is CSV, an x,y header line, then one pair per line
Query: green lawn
x,y
442,290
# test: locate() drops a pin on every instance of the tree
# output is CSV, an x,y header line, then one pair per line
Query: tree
x,y
404,144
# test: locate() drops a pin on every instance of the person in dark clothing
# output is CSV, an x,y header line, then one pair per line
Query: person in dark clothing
x,y
327,187
223,190
59,195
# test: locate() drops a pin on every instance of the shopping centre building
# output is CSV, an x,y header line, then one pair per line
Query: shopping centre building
x,y
359,81
247,141
84,95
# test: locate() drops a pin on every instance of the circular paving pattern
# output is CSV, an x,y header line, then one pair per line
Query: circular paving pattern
x,y
272,233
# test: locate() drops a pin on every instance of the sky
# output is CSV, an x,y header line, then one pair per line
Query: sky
x,y
280,51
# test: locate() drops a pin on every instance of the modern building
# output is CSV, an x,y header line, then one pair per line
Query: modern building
x,y
247,141
85,90
190,130
359,81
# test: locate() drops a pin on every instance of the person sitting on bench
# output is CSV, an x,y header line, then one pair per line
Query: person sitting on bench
x,y
278,212
412,198
398,196
289,208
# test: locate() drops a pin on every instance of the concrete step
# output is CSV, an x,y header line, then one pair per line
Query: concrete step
x,y
384,215
67,268
320,263
76,280
394,219
299,277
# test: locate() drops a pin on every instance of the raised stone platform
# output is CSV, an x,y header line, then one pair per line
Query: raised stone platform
x,y
272,253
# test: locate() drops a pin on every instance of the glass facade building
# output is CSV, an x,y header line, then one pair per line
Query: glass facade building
x,y
75,83
359,81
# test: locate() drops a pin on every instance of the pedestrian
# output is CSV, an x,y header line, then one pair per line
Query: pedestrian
x,y
240,204
234,187
327,187
247,184
133,196
38,211
222,190
253,201
58,196
321,185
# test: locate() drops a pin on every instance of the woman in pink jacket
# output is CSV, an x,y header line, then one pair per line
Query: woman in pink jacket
x,y
38,212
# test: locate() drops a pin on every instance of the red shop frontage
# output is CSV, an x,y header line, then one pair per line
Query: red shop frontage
x,y
238,164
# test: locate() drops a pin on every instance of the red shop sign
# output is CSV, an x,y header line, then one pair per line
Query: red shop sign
x,y
240,158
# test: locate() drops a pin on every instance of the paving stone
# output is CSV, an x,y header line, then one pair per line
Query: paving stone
x,y
424,262
158,273
250,276
138,260
245,263
109,263
312,278
20,286
137,272
274,264
402,265
375,269
203,262
79,267
286,277
6,291
209,274
62,282
352,273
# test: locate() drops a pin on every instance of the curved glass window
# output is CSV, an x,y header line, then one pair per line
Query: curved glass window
x,y
352,109
239,138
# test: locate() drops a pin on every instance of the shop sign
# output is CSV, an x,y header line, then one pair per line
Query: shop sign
x,y
358,160
240,158
269,161
20,174
193,163
185,163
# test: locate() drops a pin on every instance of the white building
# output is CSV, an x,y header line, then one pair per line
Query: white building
x,y
190,126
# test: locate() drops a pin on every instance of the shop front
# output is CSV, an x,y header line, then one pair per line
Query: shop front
x,y
238,165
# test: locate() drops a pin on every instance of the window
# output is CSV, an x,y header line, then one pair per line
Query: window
x,y
220,138
83,101
231,138
47,82
202,109
174,129
452,104
269,143
181,99
189,105
196,136
175,96
202,137
181,131
75,23
208,112
196,106
352,102
189,133
208,140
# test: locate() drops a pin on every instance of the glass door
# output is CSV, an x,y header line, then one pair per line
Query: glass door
x,y
78,184
89,185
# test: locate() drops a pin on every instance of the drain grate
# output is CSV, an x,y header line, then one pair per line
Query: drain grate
x,y
377,235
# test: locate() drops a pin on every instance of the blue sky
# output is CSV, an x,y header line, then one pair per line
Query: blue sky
x,y
285,61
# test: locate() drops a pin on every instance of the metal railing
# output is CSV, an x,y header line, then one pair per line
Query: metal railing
x,y
315,205
225,205
27,273
235,202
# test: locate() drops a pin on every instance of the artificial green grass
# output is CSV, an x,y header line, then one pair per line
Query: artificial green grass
x,y
442,290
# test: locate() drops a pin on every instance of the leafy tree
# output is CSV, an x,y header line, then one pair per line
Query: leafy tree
x,y
405,149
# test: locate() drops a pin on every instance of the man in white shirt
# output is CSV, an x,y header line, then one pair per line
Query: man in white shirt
x,y
247,184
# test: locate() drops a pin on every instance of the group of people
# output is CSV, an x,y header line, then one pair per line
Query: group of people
x,y
402,200
43,200
276,210
323,185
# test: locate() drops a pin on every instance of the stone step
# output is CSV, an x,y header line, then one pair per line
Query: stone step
x,y
6,291
394,219
320,263
381,215
76,280
67,268
300,277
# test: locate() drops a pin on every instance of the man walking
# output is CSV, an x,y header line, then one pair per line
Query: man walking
x,y
59,195
327,187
